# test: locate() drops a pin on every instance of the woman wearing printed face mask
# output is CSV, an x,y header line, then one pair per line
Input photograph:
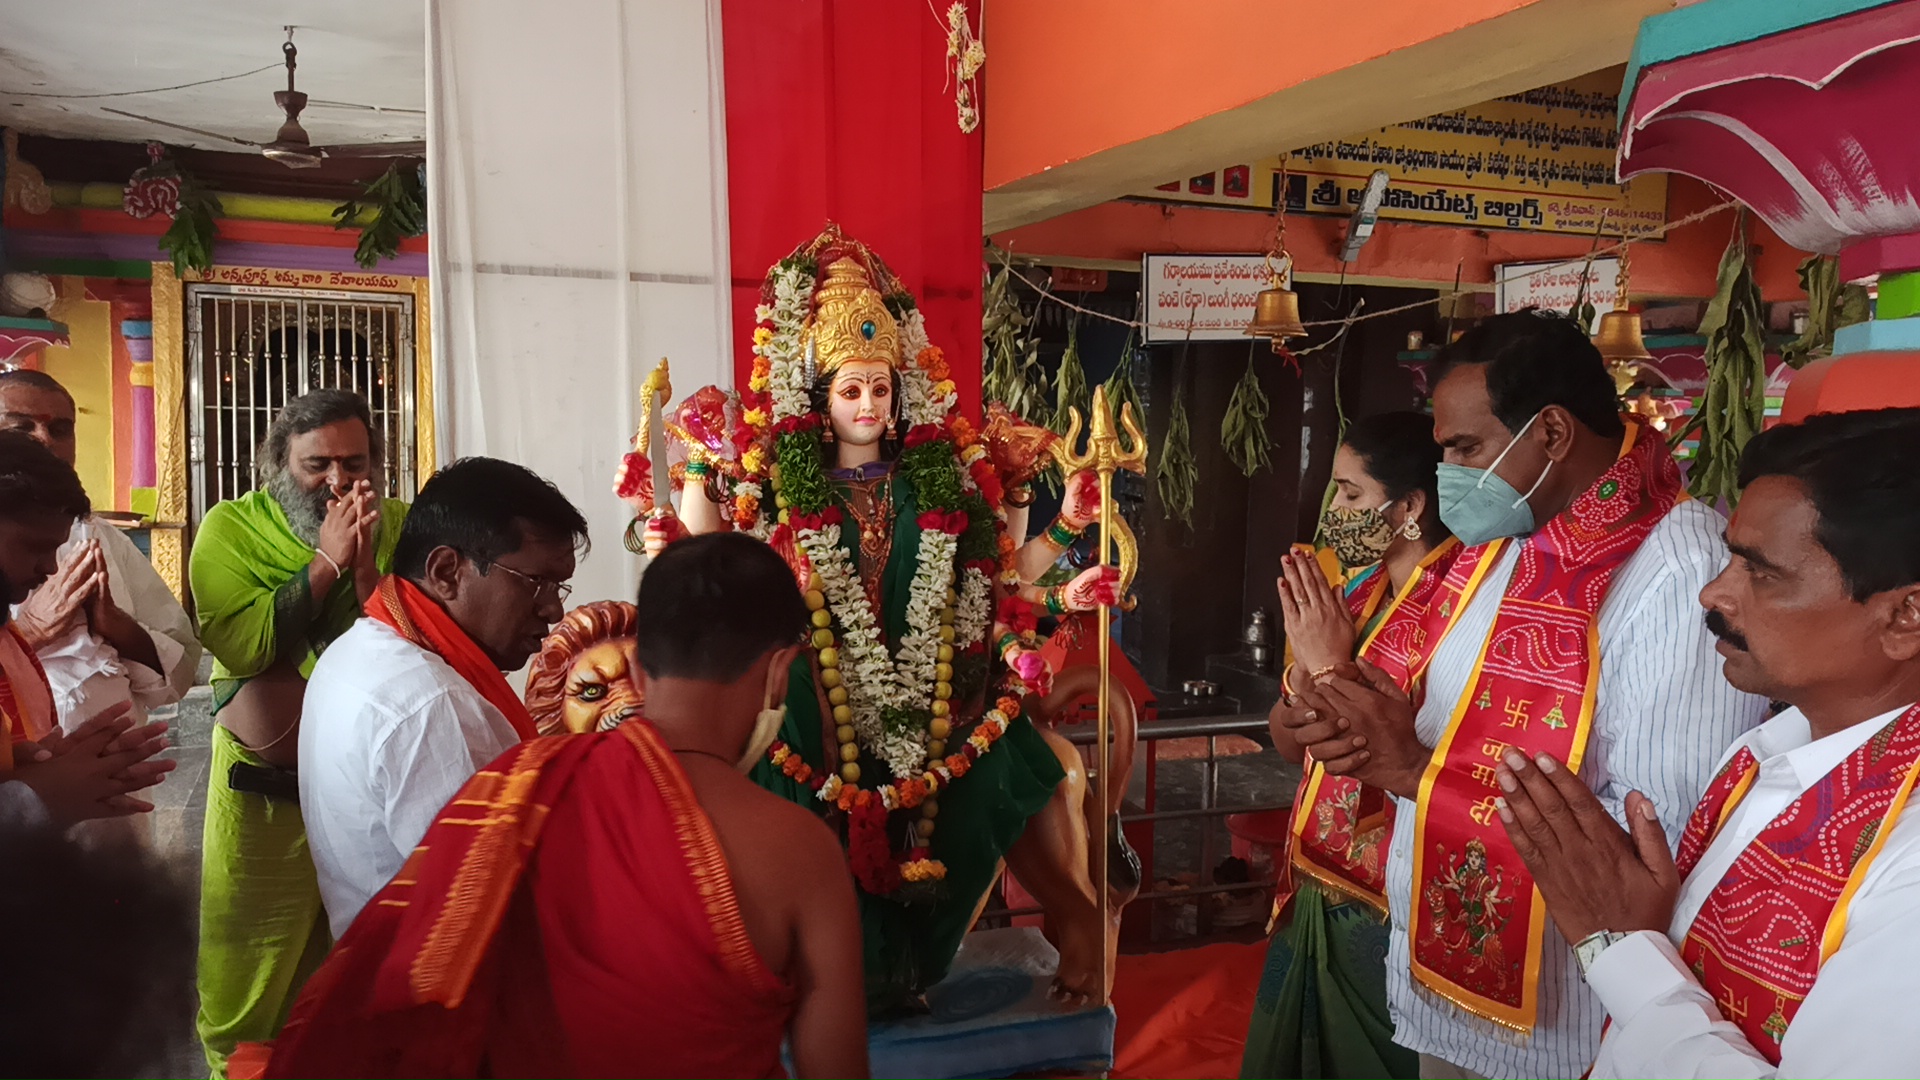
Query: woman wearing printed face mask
x,y
1322,1004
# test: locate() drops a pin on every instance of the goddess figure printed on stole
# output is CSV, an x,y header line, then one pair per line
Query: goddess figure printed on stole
x,y
907,717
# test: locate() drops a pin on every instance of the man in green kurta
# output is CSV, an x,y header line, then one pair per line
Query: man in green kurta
x,y
276,574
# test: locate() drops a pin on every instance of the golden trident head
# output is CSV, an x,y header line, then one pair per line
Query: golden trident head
x,y
1105,455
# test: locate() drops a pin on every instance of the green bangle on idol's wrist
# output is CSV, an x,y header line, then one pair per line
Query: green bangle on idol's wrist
x,y
1062,535
698,470
1057,600
1007,641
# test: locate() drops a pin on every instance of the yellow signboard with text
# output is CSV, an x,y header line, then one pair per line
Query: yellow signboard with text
x,y
1540,161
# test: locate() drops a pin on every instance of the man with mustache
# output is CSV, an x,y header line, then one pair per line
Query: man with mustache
x,y
1784,939
277,574
1567,626
408,704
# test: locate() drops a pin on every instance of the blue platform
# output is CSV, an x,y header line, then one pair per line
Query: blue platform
x,y
991,1017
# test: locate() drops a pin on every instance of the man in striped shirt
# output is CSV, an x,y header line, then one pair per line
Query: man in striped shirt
x,y
1539,462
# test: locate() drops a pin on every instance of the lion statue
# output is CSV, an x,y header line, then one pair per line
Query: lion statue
x,y
587,677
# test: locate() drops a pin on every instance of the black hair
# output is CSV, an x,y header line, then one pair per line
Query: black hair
x,y
37,380
476,506
102,982
1534,359
711,605
33,481
820,397
1859,471
1398,450
312,411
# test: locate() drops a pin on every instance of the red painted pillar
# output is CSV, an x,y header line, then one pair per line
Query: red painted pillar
x,y
842,110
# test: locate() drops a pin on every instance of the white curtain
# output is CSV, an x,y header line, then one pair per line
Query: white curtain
x,y
577,206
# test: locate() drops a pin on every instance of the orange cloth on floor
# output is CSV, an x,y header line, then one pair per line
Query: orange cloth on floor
x,y
1184,1013
568,914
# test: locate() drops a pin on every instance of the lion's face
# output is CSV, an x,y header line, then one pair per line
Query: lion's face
x,y
587,676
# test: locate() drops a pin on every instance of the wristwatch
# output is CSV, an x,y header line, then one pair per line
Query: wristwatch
x,y
1589,948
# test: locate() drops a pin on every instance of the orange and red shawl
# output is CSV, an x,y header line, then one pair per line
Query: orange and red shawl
x,y
568,914
401,605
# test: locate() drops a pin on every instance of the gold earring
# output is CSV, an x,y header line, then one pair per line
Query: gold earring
x,y
826,434
1411,530
890,434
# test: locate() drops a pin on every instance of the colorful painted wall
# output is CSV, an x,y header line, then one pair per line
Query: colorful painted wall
x,y
86,368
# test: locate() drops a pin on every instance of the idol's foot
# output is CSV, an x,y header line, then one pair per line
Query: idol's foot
x,y
1082,943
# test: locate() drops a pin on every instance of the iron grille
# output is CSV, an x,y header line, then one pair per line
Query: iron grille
x,y
250,350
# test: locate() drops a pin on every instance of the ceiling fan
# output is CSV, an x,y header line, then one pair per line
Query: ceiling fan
x,y
291,146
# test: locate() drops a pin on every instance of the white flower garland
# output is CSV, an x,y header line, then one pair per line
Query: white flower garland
x,y
875,682
786,374
920,404
975,611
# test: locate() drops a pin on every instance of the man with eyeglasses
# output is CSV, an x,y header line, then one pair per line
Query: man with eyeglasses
x,y
411,702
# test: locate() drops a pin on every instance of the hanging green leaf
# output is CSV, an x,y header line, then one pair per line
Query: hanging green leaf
x,y
189,240
1011,350
1121,390
1736,393
1830,306
1175,472
388,210
1243,431
1070,391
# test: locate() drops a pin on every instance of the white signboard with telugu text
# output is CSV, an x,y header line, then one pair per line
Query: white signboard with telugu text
x,y
1212,294
1555,287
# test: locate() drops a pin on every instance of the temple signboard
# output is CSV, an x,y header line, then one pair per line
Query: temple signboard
x,y
1207,297
1538,161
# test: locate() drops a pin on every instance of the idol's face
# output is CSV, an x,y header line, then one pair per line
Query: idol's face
x,y
603,687
861,402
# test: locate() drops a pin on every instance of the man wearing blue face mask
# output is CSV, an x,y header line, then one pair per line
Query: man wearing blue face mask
x,y
1574,632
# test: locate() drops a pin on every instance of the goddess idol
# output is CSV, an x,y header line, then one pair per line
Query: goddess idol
x,y
908,717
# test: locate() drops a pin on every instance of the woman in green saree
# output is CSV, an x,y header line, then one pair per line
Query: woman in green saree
x,y
1321,1009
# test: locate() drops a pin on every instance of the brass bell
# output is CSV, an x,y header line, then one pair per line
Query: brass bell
x,y
1619,337
1276,314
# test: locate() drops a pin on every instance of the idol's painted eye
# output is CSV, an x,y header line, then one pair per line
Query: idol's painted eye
x,y
590,691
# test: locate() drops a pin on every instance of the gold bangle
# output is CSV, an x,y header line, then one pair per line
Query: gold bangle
x,y
1320,673
1286,681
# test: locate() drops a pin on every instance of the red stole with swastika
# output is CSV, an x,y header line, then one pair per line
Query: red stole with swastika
x,y
1781,909
1341,826
1477,919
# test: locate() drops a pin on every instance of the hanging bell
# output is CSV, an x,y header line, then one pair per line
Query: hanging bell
x,y
1276,314
1622,347
1618,337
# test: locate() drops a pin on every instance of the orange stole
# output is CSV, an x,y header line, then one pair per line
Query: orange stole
x,y
1341,826
401,605
627,918
1478,921
1781,909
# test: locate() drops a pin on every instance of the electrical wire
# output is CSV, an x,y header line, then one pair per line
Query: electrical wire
x,y
134,93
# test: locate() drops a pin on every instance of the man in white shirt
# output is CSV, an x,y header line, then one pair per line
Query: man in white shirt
x,y
1792,946
1589,598
106,629
406,706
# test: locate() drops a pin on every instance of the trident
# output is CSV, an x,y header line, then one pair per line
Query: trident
x,y
1105,456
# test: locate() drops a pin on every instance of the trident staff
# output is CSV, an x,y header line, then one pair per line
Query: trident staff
x,y
1105,456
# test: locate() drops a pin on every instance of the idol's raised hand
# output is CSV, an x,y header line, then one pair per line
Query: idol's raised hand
x,y
1593,875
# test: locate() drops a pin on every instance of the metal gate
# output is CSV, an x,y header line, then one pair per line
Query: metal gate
x,y
250,350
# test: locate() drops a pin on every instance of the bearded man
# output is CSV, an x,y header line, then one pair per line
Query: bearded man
x,y
277,575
